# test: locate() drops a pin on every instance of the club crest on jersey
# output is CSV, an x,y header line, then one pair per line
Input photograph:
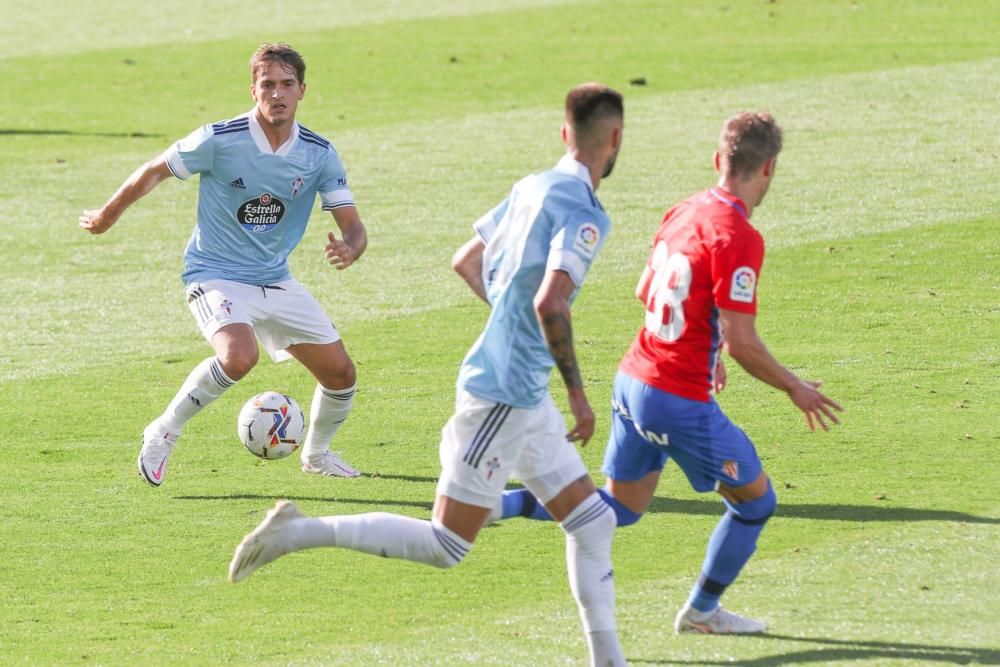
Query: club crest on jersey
x,y
297,185
261,214
743,285
587,237
731,469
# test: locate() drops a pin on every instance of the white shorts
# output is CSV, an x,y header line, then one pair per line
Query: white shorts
x,y
282,314
485,443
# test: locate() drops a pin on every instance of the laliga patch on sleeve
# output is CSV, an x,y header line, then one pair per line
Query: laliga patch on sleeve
x,y
586,239
743,285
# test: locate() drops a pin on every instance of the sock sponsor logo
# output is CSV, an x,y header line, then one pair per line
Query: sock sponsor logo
x,y
194,400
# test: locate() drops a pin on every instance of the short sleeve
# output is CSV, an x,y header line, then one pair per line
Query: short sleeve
x,y
486,226
576,243
736,265
333,190
193,154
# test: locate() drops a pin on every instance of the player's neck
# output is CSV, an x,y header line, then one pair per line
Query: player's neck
x,y
275,133
745,191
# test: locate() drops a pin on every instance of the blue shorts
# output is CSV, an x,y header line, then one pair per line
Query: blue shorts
x,y
650,426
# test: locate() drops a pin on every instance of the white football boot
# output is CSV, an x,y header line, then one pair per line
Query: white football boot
x,y
266,543
157,443
329,464
718,622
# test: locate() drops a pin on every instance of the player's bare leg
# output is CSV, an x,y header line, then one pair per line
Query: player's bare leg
x,y
332,401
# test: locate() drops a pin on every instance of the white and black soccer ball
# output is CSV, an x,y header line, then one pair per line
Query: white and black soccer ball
x,y
271,425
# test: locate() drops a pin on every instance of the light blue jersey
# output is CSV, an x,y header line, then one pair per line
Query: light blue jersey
x,y
253,203
550,221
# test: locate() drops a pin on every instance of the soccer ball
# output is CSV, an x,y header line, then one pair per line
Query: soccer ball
x,y
271,425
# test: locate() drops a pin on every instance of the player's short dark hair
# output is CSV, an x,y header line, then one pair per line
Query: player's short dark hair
x,y
277,53
590,103
748,140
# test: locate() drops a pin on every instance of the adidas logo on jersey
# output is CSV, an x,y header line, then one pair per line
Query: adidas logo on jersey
x,y
238,183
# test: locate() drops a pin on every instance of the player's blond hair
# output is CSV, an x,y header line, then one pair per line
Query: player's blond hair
x,y
748,140
277,53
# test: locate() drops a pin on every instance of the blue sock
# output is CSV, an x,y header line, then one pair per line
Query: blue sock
x,y
730,547
520,502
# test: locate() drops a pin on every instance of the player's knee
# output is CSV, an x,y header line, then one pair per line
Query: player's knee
x,y
592,526
758,510
237,362
448,548
339,376
624,515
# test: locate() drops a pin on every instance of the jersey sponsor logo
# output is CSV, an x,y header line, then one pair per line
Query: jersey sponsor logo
x,y
261,214
238,183
743,285
587,237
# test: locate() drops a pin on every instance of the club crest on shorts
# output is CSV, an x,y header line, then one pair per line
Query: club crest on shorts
x,y
731,469
492,465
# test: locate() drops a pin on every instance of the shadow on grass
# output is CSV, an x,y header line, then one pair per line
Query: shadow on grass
x,y
9,131
427,505
824,512
834,650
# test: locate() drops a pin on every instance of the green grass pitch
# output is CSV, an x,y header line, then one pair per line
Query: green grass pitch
x,y
882,279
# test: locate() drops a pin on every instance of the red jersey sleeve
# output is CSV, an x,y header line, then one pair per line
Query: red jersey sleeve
x,y
737,258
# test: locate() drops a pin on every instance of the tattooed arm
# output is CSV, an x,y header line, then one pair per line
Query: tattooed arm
x,y
552,310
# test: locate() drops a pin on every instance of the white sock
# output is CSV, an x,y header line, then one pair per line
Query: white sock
x,y
206,383
328,411
589,529
382,534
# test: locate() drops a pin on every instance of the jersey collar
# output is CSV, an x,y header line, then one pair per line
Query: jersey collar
x,y
263,145
572,167
730,200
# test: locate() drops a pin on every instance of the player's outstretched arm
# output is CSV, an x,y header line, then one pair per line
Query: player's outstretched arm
x,y
468,263
552,310
139,184
341,253
747,348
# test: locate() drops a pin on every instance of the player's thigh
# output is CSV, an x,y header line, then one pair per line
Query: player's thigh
x,y
478,450
216,304
548,464
635,449
713,451
291,317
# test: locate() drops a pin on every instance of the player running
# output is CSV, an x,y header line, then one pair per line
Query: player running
x,y
527,261
259,176
699,288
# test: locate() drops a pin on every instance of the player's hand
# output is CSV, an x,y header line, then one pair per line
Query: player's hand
x,y
94,222
338,253
719,381
817,406
583,429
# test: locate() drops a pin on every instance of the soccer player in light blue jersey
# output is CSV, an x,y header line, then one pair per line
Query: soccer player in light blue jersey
x,y
528,259
259,174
